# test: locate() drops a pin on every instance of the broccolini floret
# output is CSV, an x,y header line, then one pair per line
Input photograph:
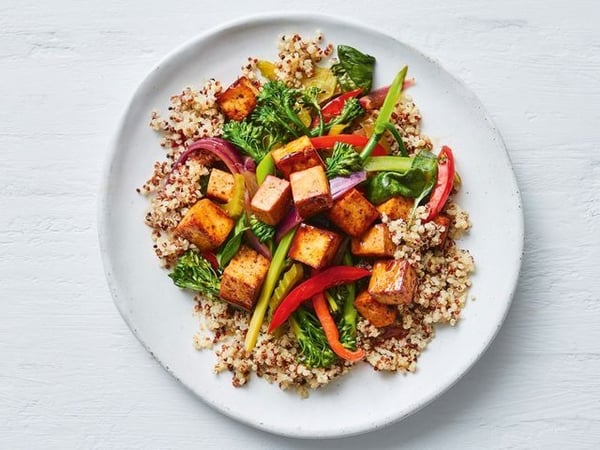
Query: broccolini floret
x,y
314,349
194,272
343,161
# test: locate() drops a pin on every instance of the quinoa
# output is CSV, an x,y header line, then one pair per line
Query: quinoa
x,y
443,271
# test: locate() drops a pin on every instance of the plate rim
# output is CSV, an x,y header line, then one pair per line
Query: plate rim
x,y
103,222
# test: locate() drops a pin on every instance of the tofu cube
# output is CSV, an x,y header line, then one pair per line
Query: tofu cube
x,y
397,207
205,225
272,200
310,191
220,185
353,213
375,243
444,221
314,246
297,155
378,314
393,282
238,100
243,277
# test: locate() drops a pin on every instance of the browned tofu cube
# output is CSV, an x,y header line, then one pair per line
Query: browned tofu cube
x,y
444,221
314,246
205,225
397,207
220,185
378,314
297,155
272,200
238,100
243,277
393,282
353,213
375,243
310,190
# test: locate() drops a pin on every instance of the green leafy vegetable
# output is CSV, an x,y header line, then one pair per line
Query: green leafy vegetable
x,y
248,137
417,182
354,69
343,161
194,272
233,245
314,349
261,230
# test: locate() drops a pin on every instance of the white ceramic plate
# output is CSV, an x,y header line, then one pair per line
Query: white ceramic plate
x,y
160,315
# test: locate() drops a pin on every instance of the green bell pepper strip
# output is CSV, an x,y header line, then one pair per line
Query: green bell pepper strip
x,y
275,269
385,112
265,167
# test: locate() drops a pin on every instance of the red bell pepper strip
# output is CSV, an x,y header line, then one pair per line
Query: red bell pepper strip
x,y
443,185
333,276
211,258
331,331
355,140
334,107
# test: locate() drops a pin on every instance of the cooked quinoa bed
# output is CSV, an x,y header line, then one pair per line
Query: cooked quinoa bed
x,y
443,273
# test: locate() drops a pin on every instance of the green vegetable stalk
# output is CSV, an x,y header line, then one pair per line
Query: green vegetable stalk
x,y
347,323
275,269
265,167
194,272
383,119
314,349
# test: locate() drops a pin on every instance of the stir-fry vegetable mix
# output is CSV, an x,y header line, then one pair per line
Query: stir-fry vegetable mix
x,y
296,189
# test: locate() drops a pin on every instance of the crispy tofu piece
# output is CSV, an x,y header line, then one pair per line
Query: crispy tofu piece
x,y
238,100
297,155
314,246
375,243
378,314
272,200
243,277
393,282
220,185
205,225
310,190
353,213
397,207
443,220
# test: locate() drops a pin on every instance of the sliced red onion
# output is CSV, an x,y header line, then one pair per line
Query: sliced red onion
x,y
291,219
257,245
249,164
340,185
222,149
374,99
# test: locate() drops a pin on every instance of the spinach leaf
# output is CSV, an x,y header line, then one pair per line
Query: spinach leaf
x,y
355,69
416,183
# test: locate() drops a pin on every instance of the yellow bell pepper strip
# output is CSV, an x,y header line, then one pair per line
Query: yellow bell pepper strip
x,y
333,276
275,269
331,331
267,69
289,279
235,206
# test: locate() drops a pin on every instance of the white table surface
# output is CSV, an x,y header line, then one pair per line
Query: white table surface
x,y
71,373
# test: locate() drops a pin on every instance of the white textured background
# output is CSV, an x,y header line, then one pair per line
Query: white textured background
x,y
71,373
